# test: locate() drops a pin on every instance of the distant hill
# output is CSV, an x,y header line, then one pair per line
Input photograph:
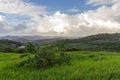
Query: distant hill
x,y
27,38
46,41
5,42
99,42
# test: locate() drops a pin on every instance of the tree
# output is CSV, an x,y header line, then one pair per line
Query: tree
x,y
30,48
62,45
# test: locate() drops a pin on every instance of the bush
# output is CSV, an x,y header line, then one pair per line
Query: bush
x,y
48,56
8,49
30,48
20,50
71,49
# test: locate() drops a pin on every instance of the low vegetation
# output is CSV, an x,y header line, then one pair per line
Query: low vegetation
x,y
46,56
84,66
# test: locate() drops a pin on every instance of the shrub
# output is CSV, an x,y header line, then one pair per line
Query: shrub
x,y
8,49
20,50
30,48
92,56
47,56
62,45
24,55
71,49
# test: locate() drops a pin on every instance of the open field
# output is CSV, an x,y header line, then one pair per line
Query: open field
x,y
84,66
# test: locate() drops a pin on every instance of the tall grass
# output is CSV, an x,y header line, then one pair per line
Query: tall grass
x,y
82,67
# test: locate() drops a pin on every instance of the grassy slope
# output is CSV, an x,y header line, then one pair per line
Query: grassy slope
x,y
84,66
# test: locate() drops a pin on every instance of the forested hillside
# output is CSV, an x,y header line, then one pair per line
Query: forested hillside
x,y
104,42
8,45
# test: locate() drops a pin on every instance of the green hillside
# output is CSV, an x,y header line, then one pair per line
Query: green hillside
x,y
100,42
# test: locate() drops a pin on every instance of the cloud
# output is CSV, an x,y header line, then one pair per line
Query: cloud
x,y
4,26
101,2
10,29
104,19
2,18
21,7
74,10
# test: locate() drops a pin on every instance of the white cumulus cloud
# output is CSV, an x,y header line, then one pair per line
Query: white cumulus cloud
x,y
104,19
21,7
101,2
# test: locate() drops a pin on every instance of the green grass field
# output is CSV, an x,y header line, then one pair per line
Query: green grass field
x,y
84,66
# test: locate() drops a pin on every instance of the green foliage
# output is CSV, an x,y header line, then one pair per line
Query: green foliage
x,y
30,48
100,42
97,57
8,45
50,55
82,67
20,50
23,55
70,49
28,61
62,44
8,49
46,56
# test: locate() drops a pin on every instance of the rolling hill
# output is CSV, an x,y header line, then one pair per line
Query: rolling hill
x,y
27,38
99,42
104,42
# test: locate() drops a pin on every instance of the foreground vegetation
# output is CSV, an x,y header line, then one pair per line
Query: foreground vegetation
x,y
83,66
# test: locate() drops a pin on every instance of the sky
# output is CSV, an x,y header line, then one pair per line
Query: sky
x,y
59,17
